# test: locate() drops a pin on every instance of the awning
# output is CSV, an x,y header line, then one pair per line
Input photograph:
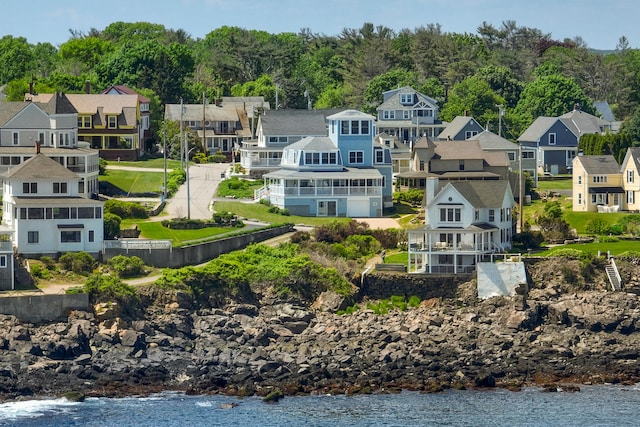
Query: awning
x,y
604,190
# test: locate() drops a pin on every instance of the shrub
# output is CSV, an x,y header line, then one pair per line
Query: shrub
x,y
300,236
48,262
125,209
528,239
37,270
127,266
218,158
597,227
174,180
111,226
413,197
78,262
201,158
414,301
109,288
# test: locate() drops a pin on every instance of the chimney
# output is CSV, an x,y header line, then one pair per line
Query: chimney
x,y
37,147
31,87
87,86
576,107
465,113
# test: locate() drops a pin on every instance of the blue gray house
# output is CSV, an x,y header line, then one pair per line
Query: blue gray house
x,y
461,128
556,138
345,174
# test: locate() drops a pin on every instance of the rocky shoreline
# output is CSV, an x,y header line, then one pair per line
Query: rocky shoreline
x,y
551,337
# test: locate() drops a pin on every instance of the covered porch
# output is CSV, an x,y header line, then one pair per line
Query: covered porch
x,y
451,250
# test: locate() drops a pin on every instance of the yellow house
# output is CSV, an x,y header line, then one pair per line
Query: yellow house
x,y
597,184
631,178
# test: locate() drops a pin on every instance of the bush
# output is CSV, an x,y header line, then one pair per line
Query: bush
x,y
413,197
111,226
48,262
109,288
175,179
127,266
78,262
37,270
201,158
125,209
528,239
597,227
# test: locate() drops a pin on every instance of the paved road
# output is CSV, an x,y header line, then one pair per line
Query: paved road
x,y
203,184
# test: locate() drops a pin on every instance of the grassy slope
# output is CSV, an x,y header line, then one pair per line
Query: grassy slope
x,y
135,182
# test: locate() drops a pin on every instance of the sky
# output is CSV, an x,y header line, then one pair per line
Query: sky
x,y
599,23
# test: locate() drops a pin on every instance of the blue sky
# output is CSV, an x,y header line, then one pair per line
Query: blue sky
x,y
599,23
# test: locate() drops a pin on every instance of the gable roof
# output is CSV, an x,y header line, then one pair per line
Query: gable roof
x,y
482,194
351,115
424,143
124,90
634,153
490,141
585,123
8,110
392,102
537,129
59,104
293,122
40,167
194,112
599,165
456,125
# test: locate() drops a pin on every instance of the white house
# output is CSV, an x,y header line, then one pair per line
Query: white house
x,y
465,223
42,206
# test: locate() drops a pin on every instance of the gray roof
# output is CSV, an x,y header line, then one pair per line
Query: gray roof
x,y
53,201
424,142
40,167
59,104
605,110
538,128
456,126
351,115
599,165
482,194
490,141
8,110
293,122
313,143
22,150
392,101
345,173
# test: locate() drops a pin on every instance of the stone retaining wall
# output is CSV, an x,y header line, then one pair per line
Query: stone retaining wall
x,y
425,286
43,308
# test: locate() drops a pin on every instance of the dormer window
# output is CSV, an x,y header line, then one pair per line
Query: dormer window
x,y
112,122
406,98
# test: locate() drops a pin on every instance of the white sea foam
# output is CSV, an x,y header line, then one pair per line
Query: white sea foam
x,y
10,411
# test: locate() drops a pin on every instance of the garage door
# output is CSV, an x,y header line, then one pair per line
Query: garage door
x,y
358,208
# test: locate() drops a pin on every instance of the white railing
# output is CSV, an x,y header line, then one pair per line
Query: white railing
x,y
325,191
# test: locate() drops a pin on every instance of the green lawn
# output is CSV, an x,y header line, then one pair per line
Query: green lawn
x,y
135,182
155,230
614,247
556,184
397,258
148,163
261,212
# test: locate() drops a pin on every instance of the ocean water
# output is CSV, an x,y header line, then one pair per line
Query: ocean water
x,y
593,406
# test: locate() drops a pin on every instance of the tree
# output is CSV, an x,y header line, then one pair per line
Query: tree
x,y
111,226
550,96
551,223
474,96
16,59
81,54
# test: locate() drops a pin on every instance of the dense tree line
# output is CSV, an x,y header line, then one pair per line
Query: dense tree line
x,y
523,69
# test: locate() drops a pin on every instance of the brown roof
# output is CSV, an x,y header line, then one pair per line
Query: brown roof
x,y
459,150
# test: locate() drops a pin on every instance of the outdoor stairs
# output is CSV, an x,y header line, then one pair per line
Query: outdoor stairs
x,y
614,275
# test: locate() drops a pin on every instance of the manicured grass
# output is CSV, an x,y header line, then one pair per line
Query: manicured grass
x,y
155,230
135,182
580,220
148,163
397,258
257,211
556,184
614,247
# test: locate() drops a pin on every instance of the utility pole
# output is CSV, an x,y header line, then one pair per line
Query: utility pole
x,y
500,114
164,152
181,136
204,122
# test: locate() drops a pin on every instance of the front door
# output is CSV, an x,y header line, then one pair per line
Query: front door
x,y
327,208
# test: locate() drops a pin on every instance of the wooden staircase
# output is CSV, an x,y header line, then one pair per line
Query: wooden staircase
x,y
614,275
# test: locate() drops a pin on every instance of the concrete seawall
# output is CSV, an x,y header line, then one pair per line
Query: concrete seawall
x,y
43,308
